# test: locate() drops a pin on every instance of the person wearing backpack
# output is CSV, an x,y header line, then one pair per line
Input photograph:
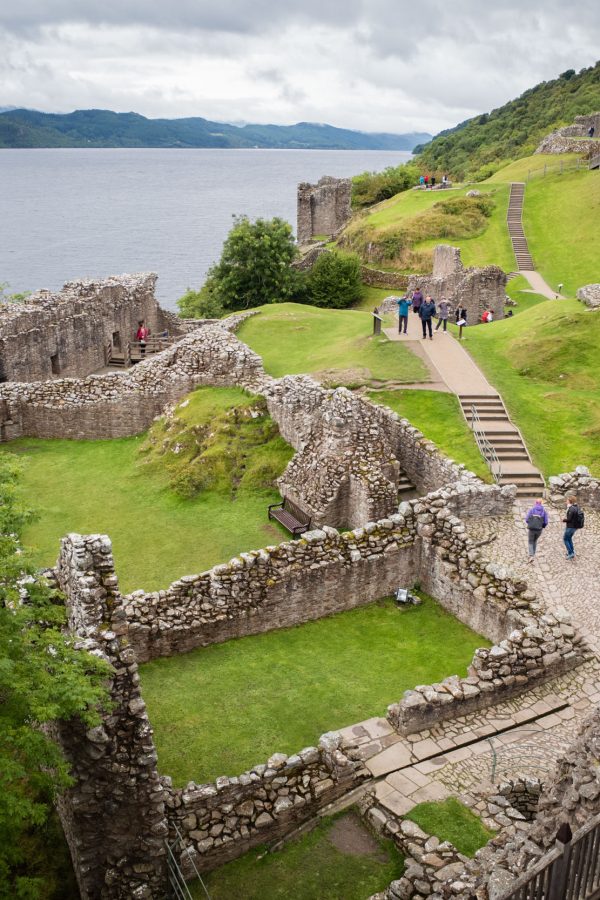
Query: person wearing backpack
x,y
536,520
574,520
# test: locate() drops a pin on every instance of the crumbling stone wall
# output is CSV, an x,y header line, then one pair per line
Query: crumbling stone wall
x,y
476,289
590,295
114,815
564,139
224,819
323,208
124,403
579,484
68,333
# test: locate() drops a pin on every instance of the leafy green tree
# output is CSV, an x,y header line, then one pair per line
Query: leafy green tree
x,y
255,265
200,304
334,281
42,678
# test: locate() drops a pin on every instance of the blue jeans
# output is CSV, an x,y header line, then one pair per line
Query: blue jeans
x,y
568,539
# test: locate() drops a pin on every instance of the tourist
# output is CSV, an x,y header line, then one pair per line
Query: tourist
x,y
403,307
487,316
417,299
433,181
421,181
426,313
426,181
461,319
536,520
444,181
141,336
573,520
443,312
591,131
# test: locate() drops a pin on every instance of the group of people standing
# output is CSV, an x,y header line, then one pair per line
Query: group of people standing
x,y
425,307
427,181
536,520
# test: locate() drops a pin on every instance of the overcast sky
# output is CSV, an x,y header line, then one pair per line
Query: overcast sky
x,y
375,65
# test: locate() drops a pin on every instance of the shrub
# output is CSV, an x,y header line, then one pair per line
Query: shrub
x,y
202,304
334,281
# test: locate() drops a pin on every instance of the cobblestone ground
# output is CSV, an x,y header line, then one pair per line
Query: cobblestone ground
x,y
574,584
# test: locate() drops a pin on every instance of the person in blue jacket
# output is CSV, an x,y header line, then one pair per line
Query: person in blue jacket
x,y
403,308
426,314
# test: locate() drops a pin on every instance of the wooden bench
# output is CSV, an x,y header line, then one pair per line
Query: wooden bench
x,y
290,516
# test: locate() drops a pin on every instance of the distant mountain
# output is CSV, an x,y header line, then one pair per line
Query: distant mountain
x,y
103,128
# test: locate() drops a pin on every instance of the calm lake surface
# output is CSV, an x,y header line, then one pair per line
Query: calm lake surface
x,y
68,214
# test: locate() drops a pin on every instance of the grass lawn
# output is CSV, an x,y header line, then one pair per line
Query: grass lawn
x,y
519,290
439,417
451,821
317,866
372,296
520,168
336,346
158,536
222,709
544,362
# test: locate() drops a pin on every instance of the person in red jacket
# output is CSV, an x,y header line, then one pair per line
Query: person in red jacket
x,y
141,336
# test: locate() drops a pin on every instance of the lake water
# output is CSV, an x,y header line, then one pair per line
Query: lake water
x,y
67,214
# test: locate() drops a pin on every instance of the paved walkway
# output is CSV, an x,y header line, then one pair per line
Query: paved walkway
x,y
539,286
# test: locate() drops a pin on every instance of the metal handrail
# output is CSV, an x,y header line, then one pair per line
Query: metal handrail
x,y
485,448
176,878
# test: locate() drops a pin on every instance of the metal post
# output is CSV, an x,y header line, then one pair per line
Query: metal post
x,y
560,868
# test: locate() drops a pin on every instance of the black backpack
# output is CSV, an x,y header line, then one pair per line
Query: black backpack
x,y
580,520
535,522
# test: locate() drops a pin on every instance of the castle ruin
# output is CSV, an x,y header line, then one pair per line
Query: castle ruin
x,y
323,208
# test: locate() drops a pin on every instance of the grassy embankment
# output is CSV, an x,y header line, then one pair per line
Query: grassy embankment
x,y
321,865
225,708
141,498
544,362
439,417
451,821
335,346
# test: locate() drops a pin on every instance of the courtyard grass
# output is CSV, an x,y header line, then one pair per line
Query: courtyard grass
x,y
451,821
222,709
334,345
105,487
316,866
439,417
544,362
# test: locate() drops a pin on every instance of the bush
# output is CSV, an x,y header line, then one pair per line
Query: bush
x,y
372,187
334,281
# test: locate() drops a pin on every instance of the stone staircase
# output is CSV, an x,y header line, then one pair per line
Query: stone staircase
x,y
515,227
405,486
505,441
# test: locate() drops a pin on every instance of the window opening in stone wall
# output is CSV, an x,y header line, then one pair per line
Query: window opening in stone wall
x,y
54,364
116,340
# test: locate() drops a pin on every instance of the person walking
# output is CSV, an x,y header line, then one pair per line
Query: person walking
x,y
591,131
461,319
417,299
536,520
426,313
403,307
443,312
574,520
141,336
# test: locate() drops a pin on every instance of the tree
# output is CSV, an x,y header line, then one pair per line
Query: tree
x,y
334,281
255,265
200,305
42,678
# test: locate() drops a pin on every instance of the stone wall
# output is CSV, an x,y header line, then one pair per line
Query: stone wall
x,y
475,289
114,815
579,484
564,139
572,795
124,403
67,334
323,208
351,453
380,279
224,819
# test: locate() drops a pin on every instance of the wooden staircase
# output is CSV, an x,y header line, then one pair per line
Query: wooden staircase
x,y
514,219
507,450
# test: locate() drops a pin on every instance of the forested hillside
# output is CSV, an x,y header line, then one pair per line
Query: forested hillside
x,y
104,128
476,148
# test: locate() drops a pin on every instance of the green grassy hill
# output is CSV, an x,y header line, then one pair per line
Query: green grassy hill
x,y
477,147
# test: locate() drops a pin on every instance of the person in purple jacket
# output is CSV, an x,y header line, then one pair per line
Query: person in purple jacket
x,y
417,299
536,520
